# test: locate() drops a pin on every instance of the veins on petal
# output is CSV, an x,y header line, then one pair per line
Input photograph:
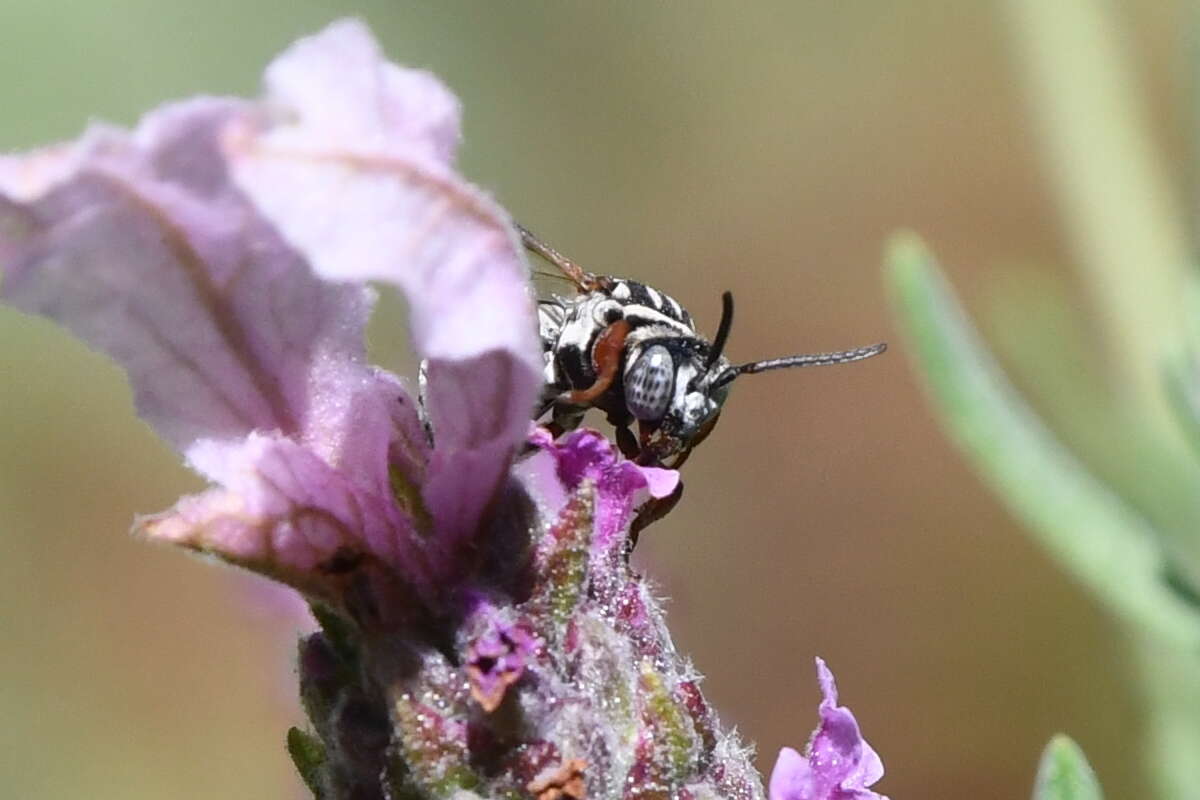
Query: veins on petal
x,y
216,303
448,187
181,356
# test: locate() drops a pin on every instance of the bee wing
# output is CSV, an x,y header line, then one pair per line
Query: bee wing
x,y
545,279
583,280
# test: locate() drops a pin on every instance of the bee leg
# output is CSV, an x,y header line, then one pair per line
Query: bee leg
x,y
649,452
564,417
652,511
680,459
422,410
627,443
560,422
606,358
703,433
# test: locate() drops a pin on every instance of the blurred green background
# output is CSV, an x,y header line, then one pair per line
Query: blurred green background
x,y
768,149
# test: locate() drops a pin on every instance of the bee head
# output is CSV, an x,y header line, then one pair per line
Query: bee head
x,y
677,385
673,383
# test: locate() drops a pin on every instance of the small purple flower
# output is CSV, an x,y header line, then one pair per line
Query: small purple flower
x,y
839,765
496,657
620,485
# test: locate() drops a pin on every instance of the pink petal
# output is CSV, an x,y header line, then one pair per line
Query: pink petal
x,y
140,245
838,748
476,407
283,511
538,473
354,170
839,764
351,95
791,778
621,486
660,482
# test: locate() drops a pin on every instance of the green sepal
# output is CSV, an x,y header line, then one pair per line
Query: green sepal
x,y
308,754
339,631
675,737
564,556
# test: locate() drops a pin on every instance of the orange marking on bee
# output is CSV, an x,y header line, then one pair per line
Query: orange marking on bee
x,y
606,359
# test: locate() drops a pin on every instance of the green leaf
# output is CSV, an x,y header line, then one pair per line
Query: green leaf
x,y
308,754
1064,773
1183,387
1087,528
1114,188
1035,324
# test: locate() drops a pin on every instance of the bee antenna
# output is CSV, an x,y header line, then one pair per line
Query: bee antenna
x,y
804,360
718,345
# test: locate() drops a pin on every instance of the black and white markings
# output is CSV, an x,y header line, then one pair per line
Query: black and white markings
x,y
636,294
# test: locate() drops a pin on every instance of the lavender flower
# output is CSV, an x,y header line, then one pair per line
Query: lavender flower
x,y
481,628
152,246
839,765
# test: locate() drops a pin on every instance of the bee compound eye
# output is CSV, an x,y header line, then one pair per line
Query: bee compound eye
x,y
649,384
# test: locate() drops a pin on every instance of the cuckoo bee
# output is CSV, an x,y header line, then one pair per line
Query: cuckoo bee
x,y
634,353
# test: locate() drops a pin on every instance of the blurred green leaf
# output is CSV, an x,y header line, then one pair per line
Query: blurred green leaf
x,y
1184,391
1064,773
1081,523
1112,184
1035,325
308,754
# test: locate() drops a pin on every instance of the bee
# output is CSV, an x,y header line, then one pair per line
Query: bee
x,y
634,353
